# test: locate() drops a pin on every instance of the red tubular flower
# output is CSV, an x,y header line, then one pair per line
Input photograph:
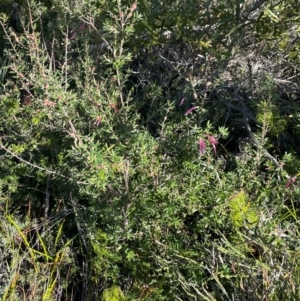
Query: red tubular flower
x,y
213,141
133,7
290,181
202,146
190,110
114,106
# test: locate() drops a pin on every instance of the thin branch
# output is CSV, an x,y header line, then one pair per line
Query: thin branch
x,y
50,172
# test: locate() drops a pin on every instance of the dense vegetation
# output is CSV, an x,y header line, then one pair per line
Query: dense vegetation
x,y
149,150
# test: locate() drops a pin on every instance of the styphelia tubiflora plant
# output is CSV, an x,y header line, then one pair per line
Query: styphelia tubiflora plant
x,y
213,142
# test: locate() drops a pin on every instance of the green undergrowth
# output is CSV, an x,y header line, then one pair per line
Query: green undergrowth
x,y
140,164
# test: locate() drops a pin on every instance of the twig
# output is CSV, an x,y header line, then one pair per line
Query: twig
x,y
126,180
86,251
47,196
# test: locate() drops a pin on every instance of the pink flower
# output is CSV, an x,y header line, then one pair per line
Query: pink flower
x,y
213,141
202,146
133,7
190,110
181,103
114,106
290,181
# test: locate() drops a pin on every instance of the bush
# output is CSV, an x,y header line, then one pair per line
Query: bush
x,y
139,164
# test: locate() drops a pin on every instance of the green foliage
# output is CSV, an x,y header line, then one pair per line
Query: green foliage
x,y
241,211
138,161
113,294
269,116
